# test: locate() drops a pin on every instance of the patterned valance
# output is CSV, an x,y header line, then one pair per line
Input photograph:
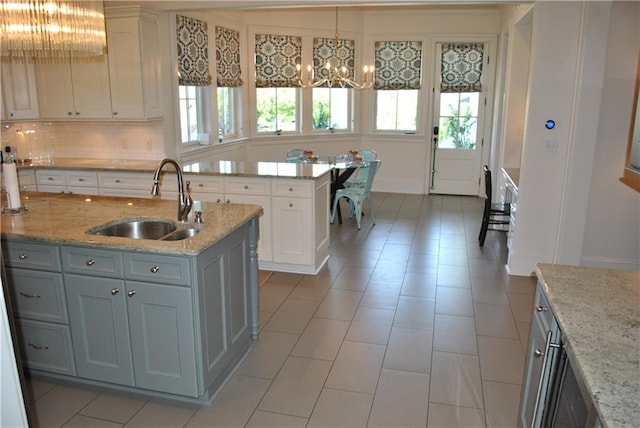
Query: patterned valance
x,y
193,52
276,59
324,51
461,67
228,57
398,65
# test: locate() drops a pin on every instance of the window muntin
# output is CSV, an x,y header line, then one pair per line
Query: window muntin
x,y
397,110
331,109
276,110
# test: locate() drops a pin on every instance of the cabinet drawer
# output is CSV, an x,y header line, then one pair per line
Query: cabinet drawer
x,y
157,268
292,188
38,295
247,186
82,179
91,261
46,177
542,310
123,180
33,256
46,346
205,184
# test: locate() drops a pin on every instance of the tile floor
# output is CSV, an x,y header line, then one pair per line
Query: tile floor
x,y
411,324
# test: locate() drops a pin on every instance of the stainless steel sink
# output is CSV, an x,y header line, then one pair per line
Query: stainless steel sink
x,y
136,229
163,230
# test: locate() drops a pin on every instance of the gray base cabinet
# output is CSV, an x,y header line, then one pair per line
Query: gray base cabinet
x,y
157,323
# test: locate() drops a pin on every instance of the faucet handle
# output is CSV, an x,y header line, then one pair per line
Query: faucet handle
x,y
198,218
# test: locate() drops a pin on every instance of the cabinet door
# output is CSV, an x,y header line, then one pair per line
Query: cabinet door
x,y
99,328
265,252
91,91
19,91
162,337
293,228
55,91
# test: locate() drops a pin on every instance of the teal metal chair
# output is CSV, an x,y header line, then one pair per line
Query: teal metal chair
x,y
357,195
294,155
359,178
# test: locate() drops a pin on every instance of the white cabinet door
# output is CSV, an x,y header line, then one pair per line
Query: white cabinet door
x,y
134,65
55,91
19,91
293,230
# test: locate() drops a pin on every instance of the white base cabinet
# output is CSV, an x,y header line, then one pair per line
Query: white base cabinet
x,y
61,181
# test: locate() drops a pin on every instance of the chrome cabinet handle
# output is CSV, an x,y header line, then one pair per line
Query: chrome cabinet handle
x,y
81,179
538,353
115,291
541,308
228,201
30,296
200,185
22,256
50,178
290,204
39,347
117,180
90,262
131,293
291,189
155,269
246,187
544,366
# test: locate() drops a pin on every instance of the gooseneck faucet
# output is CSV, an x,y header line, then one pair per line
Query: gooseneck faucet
x,y
184,198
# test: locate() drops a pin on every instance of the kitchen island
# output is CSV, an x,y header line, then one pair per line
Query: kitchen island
x,y
597,312
163,317
294,228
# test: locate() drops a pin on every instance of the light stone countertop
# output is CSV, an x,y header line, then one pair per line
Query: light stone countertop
x,y
233,168
64,219
598,311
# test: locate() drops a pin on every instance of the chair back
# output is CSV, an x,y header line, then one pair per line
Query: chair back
x,y
293,153
371,173
368,154
487,183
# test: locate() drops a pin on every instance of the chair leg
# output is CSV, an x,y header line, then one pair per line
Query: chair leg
x,y
358,208
483,230
333,210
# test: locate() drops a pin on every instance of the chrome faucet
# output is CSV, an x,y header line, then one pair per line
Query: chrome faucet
x,y
184,197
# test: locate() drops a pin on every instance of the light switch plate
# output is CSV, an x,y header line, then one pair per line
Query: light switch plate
x,y
551,146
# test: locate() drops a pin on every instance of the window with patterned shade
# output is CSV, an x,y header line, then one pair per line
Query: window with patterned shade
x,y
461,69
193,52
276,58
228,57
325,51
398,65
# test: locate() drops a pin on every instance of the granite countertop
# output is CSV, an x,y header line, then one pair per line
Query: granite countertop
x,y
598,311
64,219
222,167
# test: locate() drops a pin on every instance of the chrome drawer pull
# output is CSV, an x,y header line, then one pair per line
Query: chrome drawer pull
x,y
81,179
115,291
131,293
155,269
90,262
39,347
30,296
290,204
291,189
200,185
246,187
538,353
541,308
22,256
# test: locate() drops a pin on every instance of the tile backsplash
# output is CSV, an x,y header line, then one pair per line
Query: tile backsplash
x,y
102,140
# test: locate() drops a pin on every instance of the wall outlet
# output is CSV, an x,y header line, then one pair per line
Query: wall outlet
x,y
551,146
149,145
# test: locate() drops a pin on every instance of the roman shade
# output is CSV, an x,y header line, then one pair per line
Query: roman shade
x,y
461,69
276,59
193,52
398,65
325,51
228,57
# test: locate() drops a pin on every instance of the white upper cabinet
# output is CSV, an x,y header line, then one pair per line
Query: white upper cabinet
x,y
20,97
74,90
134,63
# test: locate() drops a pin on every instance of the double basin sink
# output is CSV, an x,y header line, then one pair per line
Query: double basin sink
x,y
159,230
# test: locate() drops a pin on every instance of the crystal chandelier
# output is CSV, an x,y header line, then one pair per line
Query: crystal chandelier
x,y
334,76
51,31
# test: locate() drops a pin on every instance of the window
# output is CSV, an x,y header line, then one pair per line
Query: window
x,y
276,109
228,80
458,120
190,123
397,83
331,109
226,117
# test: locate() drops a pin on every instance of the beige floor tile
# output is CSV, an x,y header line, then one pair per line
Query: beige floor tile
x,y
422,263
453,276
455,380
312,287
284,278
455,334
495,320
161,413
522,306
273,294
524,330
234,404
419,285
381,295
520,284
339,305
297,387
292,316
454,301
262,419
115,407
356,367
445,416
501,402
501,360
321,339
489,291
80,421
337,409
268,354
36,388
401,400
264,318
414,312
409,349
60,404
371,325
352,278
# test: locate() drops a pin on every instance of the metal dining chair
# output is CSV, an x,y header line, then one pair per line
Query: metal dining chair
x,y
294,155
357,195
493,215
360,177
